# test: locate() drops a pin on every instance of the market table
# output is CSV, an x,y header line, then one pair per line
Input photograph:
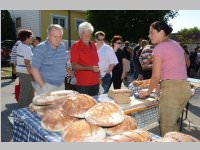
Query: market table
x,y
27,128
151,110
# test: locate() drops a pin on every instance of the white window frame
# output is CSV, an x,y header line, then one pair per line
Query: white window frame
x,y
60,17
75,23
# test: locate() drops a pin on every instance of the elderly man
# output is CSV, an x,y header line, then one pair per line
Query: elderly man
x,y
49,62
84,59
107,60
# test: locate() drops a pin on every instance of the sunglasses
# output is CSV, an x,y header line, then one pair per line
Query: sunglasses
x,y
118,42
100,39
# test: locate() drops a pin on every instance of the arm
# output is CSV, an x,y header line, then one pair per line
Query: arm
x,y
76,66
155,78
37,77
110,68
124,68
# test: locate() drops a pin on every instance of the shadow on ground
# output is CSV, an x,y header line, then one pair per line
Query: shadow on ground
x,y
6,127
3,84
195,110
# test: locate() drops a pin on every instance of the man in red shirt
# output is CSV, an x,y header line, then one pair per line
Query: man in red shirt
x,y
84,59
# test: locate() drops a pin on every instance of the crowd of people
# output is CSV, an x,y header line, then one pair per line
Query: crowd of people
x,y
92,66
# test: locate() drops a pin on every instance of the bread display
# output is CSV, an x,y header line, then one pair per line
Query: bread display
x,y
129,123
121,96
105,114
77,105
56,120
180,137
82,131
141,83
53,97
137,135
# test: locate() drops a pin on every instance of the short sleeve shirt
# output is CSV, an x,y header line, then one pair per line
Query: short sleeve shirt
x,y
87,56
50,62
173,61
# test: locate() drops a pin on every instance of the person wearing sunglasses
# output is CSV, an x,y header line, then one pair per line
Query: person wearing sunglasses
x,y
107,60
119,71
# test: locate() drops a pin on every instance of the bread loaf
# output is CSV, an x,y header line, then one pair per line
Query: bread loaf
x,y
125,92
166,139
129,123
77,105
142,83
105,114
137,135
82,131
53,97
180,137
56,120
121,96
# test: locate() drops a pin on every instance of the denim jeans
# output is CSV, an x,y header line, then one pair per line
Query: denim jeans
x,y
106,82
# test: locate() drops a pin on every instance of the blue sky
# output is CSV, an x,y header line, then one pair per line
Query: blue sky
x,y
185,19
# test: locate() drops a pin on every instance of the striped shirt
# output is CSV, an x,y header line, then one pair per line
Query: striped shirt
x,y
13,55
23,52
50,62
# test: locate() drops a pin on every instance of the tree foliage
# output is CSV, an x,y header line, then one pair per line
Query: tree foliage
x,y
8,31
131,24
189,35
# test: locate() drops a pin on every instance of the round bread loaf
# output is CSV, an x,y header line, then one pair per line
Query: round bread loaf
x,y
77,105
129,123
56,120
166,139
138,135
53,97
180,137
105,114
118,138
82,131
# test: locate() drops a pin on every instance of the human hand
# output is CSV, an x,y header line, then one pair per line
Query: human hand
x,y
95,68
123,76
143,94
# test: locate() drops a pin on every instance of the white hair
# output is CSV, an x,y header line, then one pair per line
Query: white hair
x,y
85,26
54,26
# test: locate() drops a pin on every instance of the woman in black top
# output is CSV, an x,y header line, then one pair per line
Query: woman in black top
x,y
119,71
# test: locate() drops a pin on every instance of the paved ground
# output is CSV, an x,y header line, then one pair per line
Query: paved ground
x,y
191,124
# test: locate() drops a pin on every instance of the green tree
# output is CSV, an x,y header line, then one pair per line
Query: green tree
x,y
131,24
8,31
188,35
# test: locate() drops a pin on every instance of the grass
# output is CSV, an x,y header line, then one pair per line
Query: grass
x,y
6,71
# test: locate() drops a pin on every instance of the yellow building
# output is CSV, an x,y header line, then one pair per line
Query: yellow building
x,y
61,17
39,20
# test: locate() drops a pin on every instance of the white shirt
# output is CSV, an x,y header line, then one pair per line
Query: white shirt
x,y
106,57
23,52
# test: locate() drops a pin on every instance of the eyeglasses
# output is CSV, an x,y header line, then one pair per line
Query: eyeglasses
x,y
118,42
100,39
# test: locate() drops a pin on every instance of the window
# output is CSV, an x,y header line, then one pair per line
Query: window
x,y
77,23
61,20
18,22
